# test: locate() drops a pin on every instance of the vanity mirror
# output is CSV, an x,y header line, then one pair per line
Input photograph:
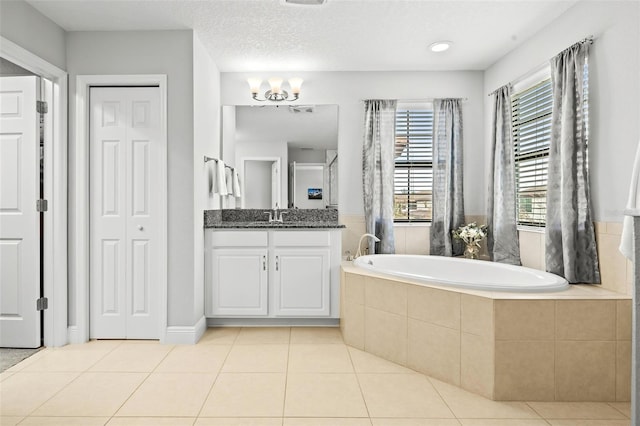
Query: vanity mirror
x,y
286,155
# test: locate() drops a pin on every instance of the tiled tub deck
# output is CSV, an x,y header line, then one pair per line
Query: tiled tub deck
x,y
573,345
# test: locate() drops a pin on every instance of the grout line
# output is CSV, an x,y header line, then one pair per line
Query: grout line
x,y
364,400
286,376
215,379
442,397
617,409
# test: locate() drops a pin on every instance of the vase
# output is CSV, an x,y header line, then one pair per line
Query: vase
x,y
471,251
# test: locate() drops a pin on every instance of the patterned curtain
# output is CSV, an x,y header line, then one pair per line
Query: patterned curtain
x,y
377,172
502,240
569,237
448,205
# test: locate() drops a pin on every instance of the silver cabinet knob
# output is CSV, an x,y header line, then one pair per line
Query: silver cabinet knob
x,y
140,227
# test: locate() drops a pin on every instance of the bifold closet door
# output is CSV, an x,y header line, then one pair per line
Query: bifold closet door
x,y
125,143
19,218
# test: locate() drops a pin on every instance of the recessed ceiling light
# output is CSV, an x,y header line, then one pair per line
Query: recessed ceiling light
x,y
440,46
306,2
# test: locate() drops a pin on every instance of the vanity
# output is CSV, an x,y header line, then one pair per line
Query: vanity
x,y
261,272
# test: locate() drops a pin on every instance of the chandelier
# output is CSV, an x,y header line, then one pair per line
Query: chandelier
x,y
276,93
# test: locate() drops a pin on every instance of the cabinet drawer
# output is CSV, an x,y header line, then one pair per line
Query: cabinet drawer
x,y
301,238
239,239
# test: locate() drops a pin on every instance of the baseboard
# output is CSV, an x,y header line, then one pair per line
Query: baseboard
x,y
185,335
273,322
73,335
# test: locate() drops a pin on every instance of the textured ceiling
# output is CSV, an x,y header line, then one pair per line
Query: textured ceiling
x,y
342,35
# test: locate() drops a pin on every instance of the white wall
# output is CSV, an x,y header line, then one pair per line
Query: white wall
x,y
269,149
149,52
348,89
258,194
31,30
614,90
206,141
309,177
300,155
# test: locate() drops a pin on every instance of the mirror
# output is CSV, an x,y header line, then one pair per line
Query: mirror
x,y
286,155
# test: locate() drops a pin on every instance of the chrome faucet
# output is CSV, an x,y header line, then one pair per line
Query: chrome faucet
x,y
376,239
275,215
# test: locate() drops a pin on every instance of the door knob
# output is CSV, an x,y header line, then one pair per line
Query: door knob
x,y
140,227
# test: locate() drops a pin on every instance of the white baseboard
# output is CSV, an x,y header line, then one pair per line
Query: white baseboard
x,y
73,335
185,335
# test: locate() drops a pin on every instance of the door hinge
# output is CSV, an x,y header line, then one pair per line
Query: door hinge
x,y
42,107
42,205
42,304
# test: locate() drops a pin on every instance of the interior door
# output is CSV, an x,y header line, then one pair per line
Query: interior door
x,y
126,183
19,219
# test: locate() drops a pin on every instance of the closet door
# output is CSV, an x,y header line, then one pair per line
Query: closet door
x,y
126,169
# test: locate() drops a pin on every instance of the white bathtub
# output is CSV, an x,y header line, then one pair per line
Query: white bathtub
x,y
463,273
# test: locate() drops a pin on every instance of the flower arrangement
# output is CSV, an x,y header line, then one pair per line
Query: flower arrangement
x,y
472,235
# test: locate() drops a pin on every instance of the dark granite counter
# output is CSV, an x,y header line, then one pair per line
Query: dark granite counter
x,y
259,219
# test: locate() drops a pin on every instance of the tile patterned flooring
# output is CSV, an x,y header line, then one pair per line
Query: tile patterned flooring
x,y
256,376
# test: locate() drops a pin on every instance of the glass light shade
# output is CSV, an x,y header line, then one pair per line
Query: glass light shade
x,y
276,85
440,46
254,84
296,84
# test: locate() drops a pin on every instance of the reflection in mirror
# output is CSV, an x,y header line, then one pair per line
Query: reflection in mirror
x,y
305,141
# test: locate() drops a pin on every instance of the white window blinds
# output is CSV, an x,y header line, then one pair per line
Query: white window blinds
x,y
413,177
531,122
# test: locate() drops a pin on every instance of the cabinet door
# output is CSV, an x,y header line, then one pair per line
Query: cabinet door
x,y
301,282
239,282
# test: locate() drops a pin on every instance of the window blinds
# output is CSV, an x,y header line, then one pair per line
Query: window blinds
x,y
531,123
413,177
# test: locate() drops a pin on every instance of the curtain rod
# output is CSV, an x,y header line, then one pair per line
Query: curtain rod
x,y
207,159
537,68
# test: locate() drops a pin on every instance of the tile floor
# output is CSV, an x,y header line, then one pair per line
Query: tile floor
x,y
256,376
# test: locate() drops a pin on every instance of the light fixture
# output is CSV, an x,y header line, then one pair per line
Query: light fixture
x,y
440,46
306,2
276,93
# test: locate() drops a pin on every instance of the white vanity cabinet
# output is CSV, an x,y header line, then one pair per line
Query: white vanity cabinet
x,y
272,273
301,274
239,274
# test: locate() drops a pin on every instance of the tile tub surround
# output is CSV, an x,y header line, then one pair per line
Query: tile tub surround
x,y
256,218
573,345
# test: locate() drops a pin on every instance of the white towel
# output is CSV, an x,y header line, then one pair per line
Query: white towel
x,y
626,242
236,184
221,181
229,179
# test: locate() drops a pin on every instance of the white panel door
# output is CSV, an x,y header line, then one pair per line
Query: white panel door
x,y
302,285
126,169
19,220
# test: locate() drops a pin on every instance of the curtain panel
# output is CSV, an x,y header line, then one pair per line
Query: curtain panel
x,y
448,204
502,239
378,153
570,245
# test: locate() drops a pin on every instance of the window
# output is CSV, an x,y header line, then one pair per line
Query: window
x,y
413,177
531,122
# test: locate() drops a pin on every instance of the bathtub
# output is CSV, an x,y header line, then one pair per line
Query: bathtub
x,y
463,273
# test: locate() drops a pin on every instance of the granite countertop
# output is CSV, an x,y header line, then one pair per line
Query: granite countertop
x,y
257,219
275,225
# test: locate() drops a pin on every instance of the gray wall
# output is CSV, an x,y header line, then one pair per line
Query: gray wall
x,y
31,30
150,52
614,90
10,69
